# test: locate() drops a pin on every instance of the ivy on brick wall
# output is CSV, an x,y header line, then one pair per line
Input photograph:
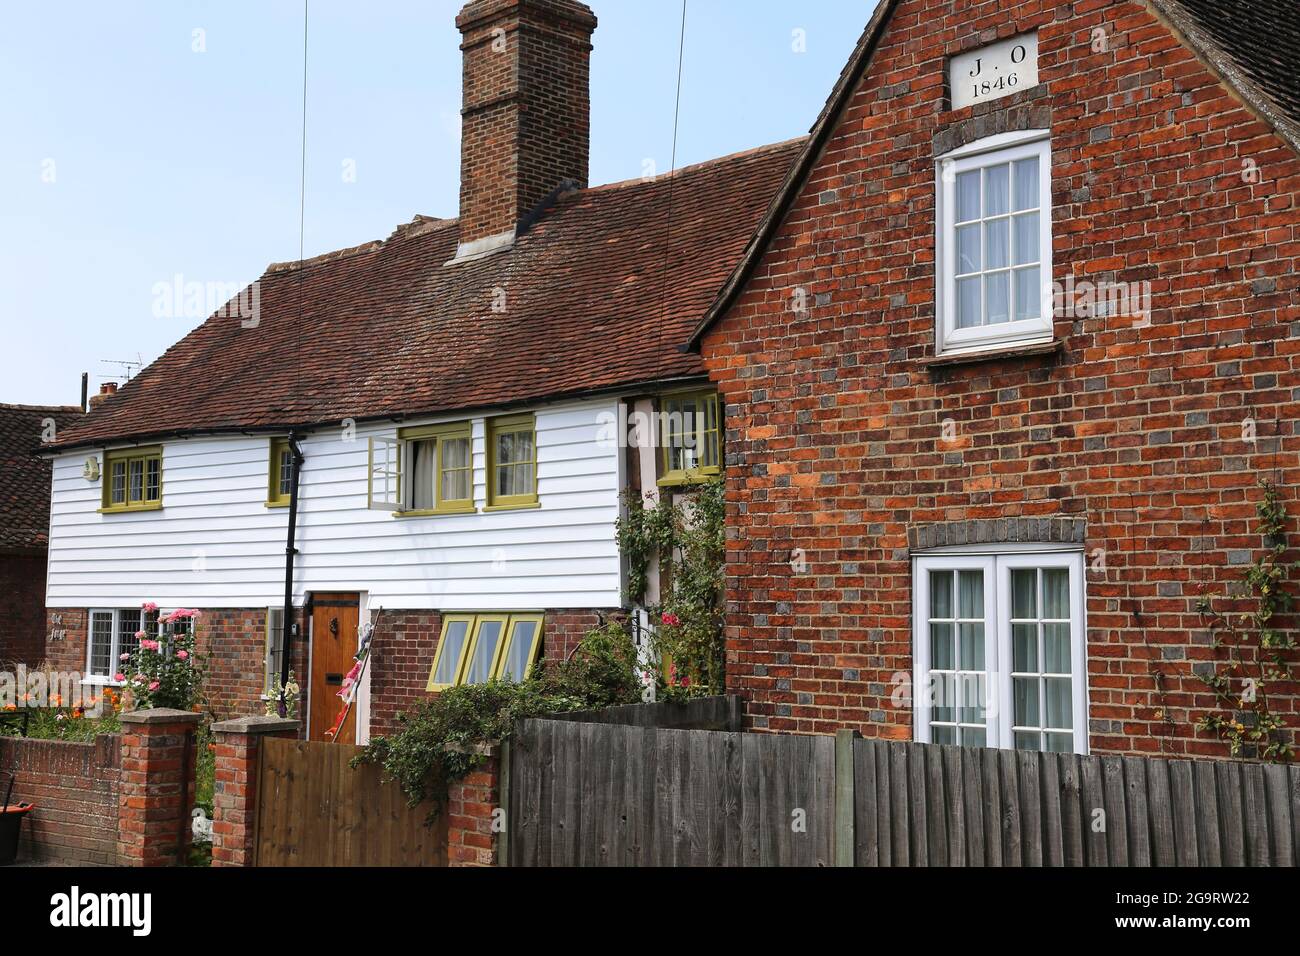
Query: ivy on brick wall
x,y
1253,645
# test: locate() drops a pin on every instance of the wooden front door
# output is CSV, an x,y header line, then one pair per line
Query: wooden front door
x,y
334,619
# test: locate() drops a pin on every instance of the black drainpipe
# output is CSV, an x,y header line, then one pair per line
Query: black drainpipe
x,y
290,552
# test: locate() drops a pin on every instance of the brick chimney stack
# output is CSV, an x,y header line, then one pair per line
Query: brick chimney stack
x,y
106,391
526,120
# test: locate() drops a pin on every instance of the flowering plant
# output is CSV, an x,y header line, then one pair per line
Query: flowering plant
x,y
163,670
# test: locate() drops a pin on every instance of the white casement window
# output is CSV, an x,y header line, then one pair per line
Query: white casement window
x,y
994,243
112,633
1000,651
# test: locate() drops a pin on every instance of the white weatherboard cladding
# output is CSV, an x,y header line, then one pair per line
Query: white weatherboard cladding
x,y
214,543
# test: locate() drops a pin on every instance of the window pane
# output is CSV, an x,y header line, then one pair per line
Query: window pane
x,y
128,625
101,645
421,464
970,594
972,647
1023,587
1028,294
286,473
1056,648
973,737
1026,184
997,298
514,667
968,249
1024,648
1025,692
943,735
996,186
944,687
153,468
1056,594
941,651
275,646
997,236
118,493
1060,743
1026,235
456,471
968,303
485,649
1029,740
135,480
1058,703
971,700
968,196
453,643
940,594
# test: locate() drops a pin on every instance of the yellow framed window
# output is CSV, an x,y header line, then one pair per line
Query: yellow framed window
x,y
485,648
132,479
280,474
449,659
477,648
690,436
438,467
512,462
522,645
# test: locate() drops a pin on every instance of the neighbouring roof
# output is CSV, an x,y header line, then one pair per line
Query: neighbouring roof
x,y
24,475
597,295
1252,45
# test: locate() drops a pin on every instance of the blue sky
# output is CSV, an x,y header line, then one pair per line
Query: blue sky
x,y
129,158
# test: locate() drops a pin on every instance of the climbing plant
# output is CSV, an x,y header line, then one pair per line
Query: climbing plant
x,y
686,535
1254,645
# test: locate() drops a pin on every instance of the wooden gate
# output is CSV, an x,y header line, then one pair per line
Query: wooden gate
x,y
313,809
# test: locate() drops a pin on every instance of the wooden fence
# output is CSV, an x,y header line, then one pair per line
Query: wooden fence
x,y
591,794
313,809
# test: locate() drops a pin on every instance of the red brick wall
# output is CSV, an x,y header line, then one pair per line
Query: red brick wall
x,y
834,421
65,645
526,126
75,789
22,613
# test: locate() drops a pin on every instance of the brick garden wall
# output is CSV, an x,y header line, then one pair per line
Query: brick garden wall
x,y
22,613
834,421
75,789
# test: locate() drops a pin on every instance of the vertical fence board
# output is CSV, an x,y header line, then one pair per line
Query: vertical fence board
x,y
973,813
1279,815
1049,774
1160,808
884,815
1227,779
1031,816
866,835
1072,819
936,803
1254,804
1009,781
1112,775
995,812
1182,802
751,818
955,810
1135,802
727,792
1207,818
819,800
900,808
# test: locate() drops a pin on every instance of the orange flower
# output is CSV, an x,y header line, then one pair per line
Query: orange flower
x,y
11,706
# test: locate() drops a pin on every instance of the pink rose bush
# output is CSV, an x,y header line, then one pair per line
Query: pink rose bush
x,y
163,670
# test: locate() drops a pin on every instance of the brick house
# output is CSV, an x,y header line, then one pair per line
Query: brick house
x,y
1003,367
24,526
436,424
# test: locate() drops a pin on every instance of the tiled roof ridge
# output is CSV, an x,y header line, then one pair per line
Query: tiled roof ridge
x,y
9,406
702,166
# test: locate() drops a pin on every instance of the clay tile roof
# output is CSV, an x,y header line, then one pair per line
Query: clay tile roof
x,y
579,305
25,477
